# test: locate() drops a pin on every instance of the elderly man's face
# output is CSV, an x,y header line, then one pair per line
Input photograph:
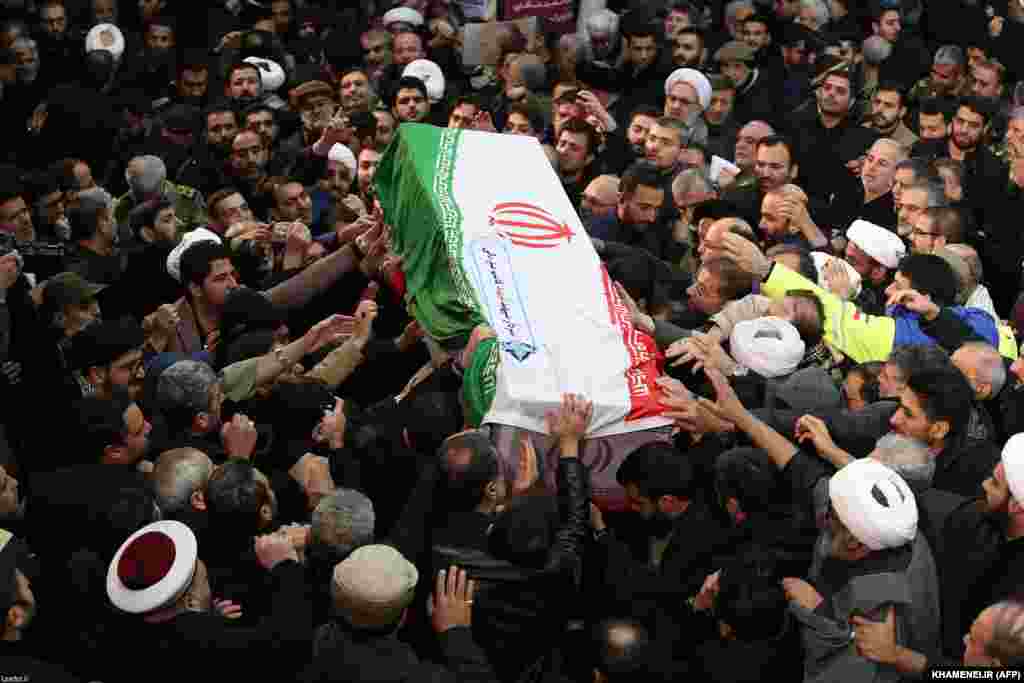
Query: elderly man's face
x,y
600,198
879,170
681,99
911,206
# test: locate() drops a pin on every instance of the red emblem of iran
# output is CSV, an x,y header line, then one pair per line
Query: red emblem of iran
x,y
528,225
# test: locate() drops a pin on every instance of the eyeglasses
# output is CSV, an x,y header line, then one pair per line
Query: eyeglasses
x,y
921,233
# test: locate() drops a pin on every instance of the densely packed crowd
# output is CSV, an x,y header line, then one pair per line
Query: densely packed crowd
x,y
224,435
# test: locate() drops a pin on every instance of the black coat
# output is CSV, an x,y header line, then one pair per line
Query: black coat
x,y
964,464
698,537
342,654
758,99
521,611
977,568
823,153
271,650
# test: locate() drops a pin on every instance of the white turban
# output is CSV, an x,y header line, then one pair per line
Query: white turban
x,y
105,37
769,346
875,504
1013,465
431,75
883,245
402,15
187,240
272,76
343,155
696,79
821,259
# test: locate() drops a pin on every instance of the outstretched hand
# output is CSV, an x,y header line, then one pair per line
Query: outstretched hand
x,y
568,423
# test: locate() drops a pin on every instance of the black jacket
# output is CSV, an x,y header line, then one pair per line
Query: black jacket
x,y
823,153
521,610
342,654
698,537
978,568
964,464
269,650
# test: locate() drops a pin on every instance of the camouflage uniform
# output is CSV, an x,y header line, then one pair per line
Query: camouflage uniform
x,y
188,202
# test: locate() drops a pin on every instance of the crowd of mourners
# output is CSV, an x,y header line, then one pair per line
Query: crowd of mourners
x,y
227,450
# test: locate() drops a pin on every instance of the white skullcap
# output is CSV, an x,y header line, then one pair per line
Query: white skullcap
x,y
105,37
1013,465
373,585
431,75
153,568
696,79
883,245
821,259
403,15
875,504
187,240
272,76
769,346
343,155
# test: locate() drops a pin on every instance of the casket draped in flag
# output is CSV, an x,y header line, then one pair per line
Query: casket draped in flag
x,y
487,235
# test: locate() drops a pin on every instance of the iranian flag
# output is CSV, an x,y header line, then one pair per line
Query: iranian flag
x,y
488,236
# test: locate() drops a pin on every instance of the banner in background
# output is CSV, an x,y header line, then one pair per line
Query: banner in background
x,y
559,15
